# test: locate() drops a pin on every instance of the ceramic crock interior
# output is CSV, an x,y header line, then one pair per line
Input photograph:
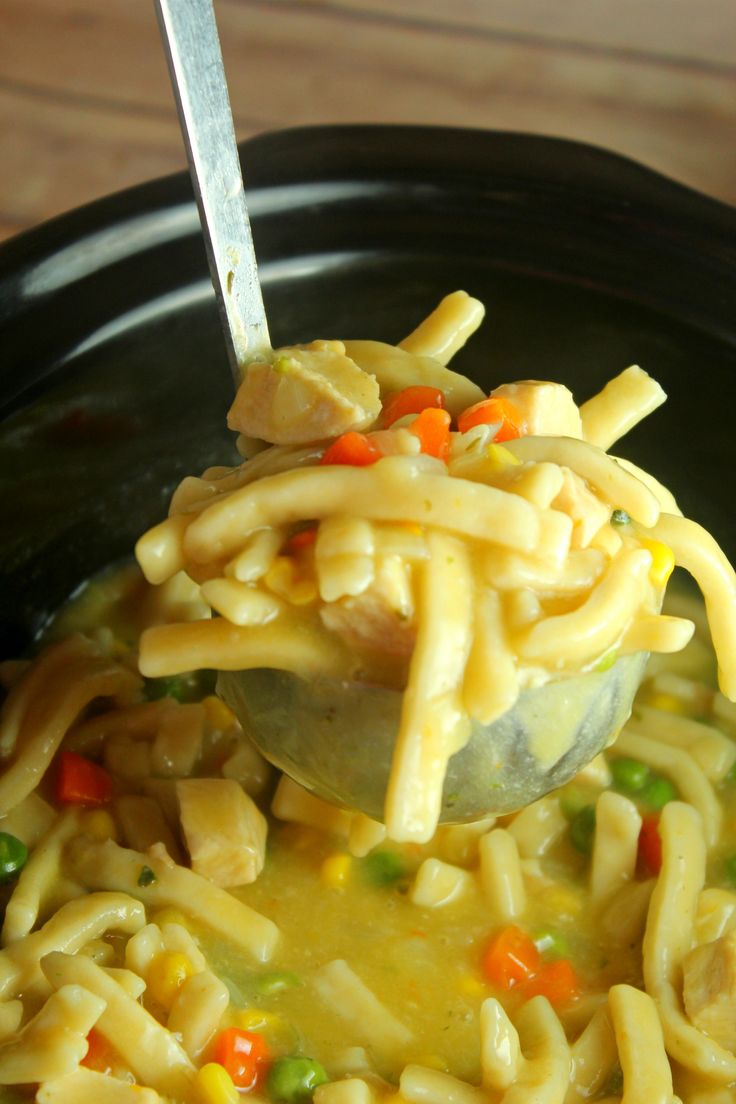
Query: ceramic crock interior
x,y
114,381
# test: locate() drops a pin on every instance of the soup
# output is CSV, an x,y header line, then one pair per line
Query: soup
x,y
183,925
399,971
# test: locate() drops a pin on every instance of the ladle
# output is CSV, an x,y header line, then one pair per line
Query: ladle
x,y
336,738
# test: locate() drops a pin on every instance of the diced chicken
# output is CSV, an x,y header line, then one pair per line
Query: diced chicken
x,y
548,409
381,618
587,511
367,622
306,393
709,989
224,831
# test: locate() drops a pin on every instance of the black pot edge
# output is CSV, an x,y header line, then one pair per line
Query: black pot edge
x,y
555,160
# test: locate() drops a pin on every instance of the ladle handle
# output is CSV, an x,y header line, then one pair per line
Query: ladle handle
x,y
192,46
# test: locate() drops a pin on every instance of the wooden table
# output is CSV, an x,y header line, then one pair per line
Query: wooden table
x,y
86,108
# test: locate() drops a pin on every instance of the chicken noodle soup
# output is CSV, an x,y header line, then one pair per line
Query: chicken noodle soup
x,y
461,547
181,925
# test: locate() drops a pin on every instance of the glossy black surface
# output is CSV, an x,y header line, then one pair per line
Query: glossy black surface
x,y
113,376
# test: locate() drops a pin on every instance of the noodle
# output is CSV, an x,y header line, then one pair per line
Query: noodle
x,y
183,926
567,550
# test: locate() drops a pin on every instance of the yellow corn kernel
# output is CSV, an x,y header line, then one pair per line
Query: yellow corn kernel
x,y
278,1032
668,702
471,986
169,915
251,1019
166,975
100,824
214,1085
335,870
219,716
282,579
663,561
500,457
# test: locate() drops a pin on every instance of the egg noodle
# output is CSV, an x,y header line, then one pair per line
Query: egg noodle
x,y
181,925
487,567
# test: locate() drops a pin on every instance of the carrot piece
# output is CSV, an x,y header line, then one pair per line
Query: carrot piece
x,y
352,448
510,958
244,1054
649,857
412,400
432,427
300,541
557,981
81,782
493,410
98,1053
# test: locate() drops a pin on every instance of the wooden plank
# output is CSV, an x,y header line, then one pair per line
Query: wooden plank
x,y
9,229
86,106
56,156
676,29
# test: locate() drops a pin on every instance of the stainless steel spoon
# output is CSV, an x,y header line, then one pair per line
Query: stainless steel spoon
x,y
192,47
337,738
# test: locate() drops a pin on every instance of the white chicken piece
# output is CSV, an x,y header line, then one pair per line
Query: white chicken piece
x,y
381,618
547,409
587,511
306,393
224,830
709,989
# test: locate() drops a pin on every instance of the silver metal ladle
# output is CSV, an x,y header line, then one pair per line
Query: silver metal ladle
x,y
336,738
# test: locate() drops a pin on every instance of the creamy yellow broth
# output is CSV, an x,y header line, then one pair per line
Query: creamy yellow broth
x,y
424,964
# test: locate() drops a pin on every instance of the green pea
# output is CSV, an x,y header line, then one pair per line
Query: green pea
x,y
657,793
13,855
620,517
293,1080
572,799
630,775
731,776
730,869
172,687
190,687
582,829
382,868
552,943
276,982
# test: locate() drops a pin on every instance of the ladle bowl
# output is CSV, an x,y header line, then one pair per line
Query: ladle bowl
x,y
337,738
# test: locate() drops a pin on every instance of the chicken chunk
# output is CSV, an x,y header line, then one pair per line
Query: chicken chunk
x,y
224,831
381,618
306,393
587,511
548,409
709,989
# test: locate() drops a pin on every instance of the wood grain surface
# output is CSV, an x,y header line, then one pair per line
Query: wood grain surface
x,y
86,108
